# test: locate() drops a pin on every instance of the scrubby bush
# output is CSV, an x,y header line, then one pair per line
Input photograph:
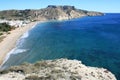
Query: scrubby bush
x,y
1,34
32,77
35,77
4,27
4,72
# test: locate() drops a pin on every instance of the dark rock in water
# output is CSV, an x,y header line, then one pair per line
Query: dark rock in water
x,y
52,12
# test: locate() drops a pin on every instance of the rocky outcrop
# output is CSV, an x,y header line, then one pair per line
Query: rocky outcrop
x,y
52,12
61,69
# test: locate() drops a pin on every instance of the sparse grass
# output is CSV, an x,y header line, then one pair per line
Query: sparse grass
x,y
32,77
1,33
8,32
4,71
50,70
35,77
1,38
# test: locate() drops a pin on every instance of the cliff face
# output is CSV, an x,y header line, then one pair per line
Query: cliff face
x,y
50,13
61,69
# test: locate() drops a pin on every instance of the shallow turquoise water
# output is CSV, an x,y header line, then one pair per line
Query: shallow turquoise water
x,y
93,40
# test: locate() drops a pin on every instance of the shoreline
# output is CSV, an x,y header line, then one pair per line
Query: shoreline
x,y
10,40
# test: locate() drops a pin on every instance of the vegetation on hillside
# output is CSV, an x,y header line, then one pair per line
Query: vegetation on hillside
x,y
59,69
52,12
4,27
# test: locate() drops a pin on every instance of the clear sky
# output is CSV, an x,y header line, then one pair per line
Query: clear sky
x,y
94,5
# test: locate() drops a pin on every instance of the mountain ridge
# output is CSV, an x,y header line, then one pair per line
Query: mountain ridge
x,y
52,12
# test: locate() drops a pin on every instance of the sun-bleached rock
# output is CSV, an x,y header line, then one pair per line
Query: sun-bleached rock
x,y
59,69
52,12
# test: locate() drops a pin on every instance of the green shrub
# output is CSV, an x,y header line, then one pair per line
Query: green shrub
x,y
32,77
1,34
4,27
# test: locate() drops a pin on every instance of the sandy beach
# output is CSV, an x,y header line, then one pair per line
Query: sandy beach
x,y
10,40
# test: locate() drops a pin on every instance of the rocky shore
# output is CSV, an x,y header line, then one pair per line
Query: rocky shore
x,y
60,69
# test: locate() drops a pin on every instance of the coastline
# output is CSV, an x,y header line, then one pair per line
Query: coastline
x,y
9,42
21,35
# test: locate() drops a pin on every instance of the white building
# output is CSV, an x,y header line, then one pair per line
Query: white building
x,y
15,23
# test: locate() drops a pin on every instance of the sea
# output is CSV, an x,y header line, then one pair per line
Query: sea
x,y
93,40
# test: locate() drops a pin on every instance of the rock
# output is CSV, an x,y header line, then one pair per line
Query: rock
x,y
60,69
52,12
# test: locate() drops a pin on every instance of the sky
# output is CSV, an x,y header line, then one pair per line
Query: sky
x,y
112,6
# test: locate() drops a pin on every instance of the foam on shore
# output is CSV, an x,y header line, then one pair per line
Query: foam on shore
x,y
17,50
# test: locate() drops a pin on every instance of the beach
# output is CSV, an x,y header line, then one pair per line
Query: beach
x,y
9,42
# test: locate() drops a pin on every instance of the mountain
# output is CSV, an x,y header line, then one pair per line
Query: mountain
x,y
60,69
52,12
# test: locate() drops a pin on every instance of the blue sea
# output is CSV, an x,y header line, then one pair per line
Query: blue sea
x,y
93,40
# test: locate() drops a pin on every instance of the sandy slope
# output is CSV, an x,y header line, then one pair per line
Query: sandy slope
x,y
10,40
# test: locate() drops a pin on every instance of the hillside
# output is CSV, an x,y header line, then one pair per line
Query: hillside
x,y
52,12
60,69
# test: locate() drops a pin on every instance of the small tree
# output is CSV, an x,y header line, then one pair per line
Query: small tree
x,y
4,27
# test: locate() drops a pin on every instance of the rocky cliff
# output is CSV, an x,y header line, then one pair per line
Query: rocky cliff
x,y
52,12
61,69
